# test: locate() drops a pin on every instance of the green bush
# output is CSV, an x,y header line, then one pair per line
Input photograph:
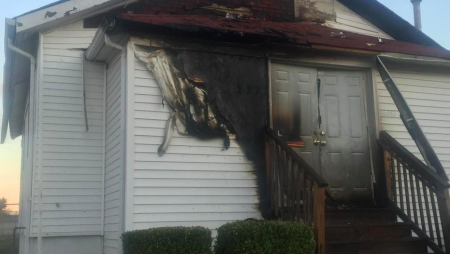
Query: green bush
x,y
168,240
264,237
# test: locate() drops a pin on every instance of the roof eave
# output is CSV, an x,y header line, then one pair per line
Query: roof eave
x,y
423,60
97,43
64,12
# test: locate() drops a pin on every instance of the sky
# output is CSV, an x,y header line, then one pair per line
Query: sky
x,y
435,23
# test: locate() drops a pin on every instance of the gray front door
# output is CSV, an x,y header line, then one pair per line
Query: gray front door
x,y
326,106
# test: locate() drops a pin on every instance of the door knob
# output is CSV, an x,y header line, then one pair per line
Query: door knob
x,y
323,143
322,133
316,142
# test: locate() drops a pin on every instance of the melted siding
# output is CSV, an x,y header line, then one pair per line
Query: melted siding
x,y
113,157
195,182
71,158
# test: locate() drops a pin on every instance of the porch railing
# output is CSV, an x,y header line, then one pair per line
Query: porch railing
x,y
297,190
418,194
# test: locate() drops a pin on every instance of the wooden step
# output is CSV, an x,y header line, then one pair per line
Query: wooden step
x,y
350,232
378,246
359,216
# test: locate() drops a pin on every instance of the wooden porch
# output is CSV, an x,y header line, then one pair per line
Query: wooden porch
x,y
412,217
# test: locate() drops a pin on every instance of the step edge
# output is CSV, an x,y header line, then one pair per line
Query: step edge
x,y
360,210
360,225
379,240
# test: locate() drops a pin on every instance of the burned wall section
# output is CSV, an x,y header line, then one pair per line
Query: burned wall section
x,y
238,86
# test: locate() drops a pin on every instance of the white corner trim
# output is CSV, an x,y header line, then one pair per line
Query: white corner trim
x,y
63,12
129,185
39,123
102,229
375,74
123,130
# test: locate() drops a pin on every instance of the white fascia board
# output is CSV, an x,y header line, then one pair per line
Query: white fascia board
x,y
62,13
416,59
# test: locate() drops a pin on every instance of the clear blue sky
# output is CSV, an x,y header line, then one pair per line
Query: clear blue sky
x,y
435,18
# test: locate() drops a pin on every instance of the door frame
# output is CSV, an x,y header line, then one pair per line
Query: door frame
x,y
338,61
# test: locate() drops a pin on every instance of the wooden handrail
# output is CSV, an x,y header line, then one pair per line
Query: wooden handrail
x,y
413,190
317,178
297,192
410,122
388,142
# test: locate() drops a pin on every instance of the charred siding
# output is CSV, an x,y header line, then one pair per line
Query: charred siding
x,y
238,87
314,10
196,182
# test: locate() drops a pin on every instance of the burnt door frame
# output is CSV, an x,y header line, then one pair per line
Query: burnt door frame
x,y
370,106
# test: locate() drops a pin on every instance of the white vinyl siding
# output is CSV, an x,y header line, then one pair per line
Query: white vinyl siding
x,y
348,20
68,158
428,96
113,157
196,183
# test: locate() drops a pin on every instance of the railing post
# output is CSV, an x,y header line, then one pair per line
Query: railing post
x,y
387,173
269,170
444,210
319,218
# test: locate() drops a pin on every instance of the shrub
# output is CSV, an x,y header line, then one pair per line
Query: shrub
x,y
168,240
264,237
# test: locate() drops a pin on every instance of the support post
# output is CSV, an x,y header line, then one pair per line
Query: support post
x,y
319,218
444,211
269,171
387,173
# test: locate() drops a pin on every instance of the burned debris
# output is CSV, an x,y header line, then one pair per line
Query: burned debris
x,y
192,112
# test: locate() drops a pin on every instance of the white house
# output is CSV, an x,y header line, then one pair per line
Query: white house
x,y
88,85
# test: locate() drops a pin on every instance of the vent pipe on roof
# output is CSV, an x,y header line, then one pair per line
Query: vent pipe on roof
x,y
417,14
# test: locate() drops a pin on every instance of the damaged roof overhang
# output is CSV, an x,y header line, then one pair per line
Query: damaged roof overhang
x,y
307,34
99,50
62,12
16,79
9,34
23,33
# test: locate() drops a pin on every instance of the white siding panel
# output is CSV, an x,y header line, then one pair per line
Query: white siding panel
x,y
70,157
348,20
196,183
113,157
428,95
